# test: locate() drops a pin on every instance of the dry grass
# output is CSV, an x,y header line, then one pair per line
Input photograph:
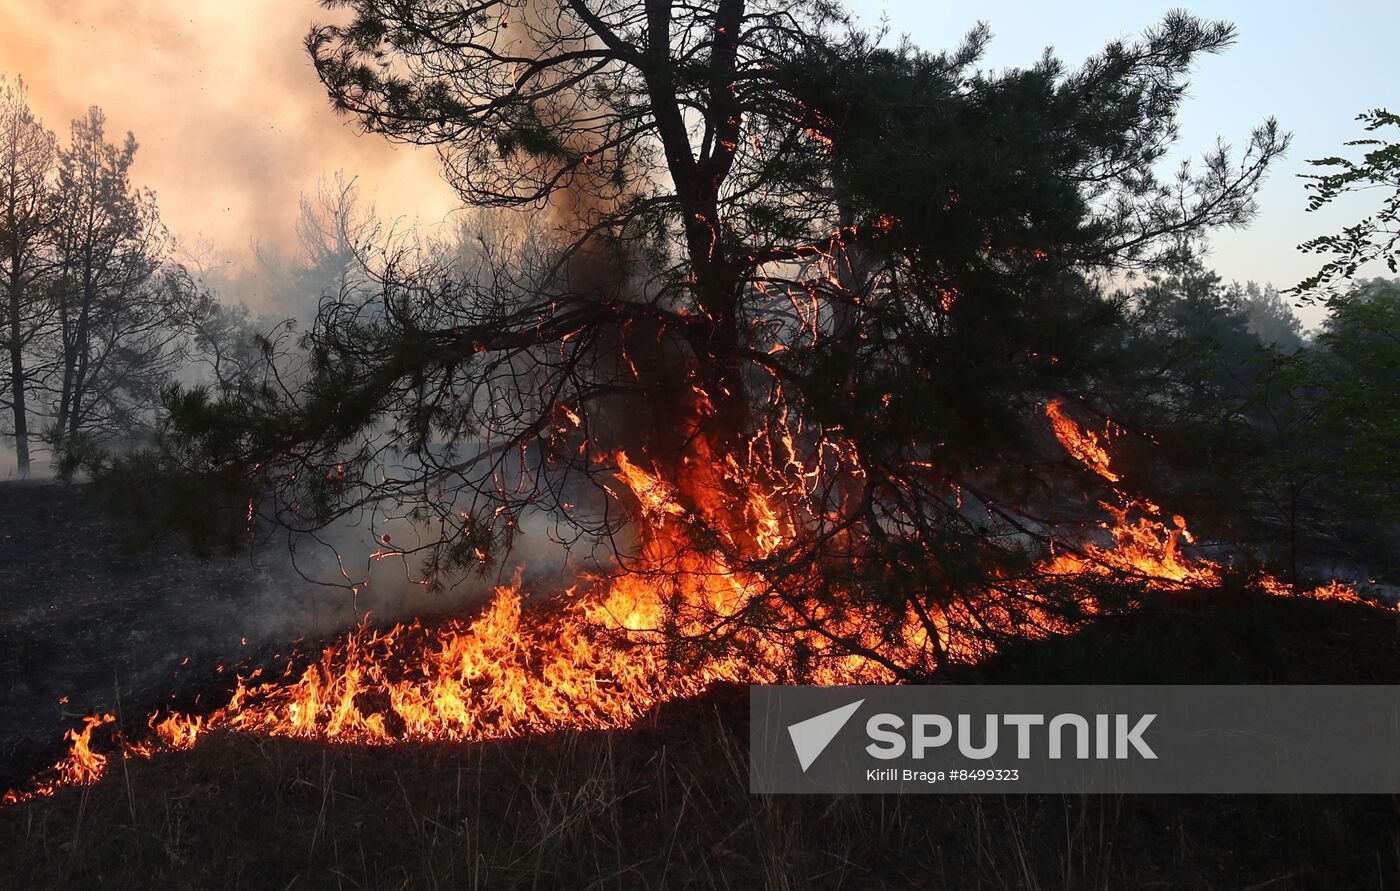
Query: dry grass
x,y
664,805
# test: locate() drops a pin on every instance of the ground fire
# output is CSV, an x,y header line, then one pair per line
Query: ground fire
x,y
594,658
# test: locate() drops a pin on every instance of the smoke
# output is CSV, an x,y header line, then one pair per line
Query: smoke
x,y
233,124
303,590
608,264
9,464
234,128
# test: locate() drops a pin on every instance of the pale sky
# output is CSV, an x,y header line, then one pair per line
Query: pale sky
x,y
1313,66
234,125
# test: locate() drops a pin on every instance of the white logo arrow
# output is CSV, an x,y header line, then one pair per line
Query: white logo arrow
x,y
811,737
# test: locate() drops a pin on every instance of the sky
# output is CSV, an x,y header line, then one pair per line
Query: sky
x,y
234,126
232,123
1313,66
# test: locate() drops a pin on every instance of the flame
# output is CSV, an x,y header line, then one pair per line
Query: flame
x,y
587,661
80,767
1148,546
1082,445
1147,542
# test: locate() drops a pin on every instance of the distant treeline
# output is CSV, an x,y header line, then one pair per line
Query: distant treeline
x,y
101,308
1264,435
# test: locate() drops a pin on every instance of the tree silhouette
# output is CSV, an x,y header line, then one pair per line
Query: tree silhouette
x,y
781,259
113,303
28,153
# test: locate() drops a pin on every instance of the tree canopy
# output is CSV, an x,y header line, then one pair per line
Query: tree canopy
x,y
1373,238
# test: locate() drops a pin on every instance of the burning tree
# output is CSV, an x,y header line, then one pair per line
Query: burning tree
x,y
788,349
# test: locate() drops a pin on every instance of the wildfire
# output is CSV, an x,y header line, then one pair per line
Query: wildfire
x,y
1147,546
83,765
582,662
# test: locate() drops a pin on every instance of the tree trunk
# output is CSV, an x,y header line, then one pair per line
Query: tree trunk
x,y
1293,536
75,355
717,283
17,372
79,378
15,291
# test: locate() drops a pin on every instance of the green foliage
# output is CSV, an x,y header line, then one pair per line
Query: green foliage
x,y
1358,374
984,202
1289,451
1374,238
1319,440
767,229
1190,367
983,170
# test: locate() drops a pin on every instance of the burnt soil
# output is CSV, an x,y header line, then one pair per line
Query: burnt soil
x,y
664,804
90,620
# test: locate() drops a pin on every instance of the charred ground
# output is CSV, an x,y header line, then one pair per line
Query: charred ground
x,y
662,804
85,617
91,620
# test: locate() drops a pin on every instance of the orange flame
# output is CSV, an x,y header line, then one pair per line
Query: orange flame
x,y
1082,445
583,662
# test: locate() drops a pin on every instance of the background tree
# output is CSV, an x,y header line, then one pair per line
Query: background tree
x,y
1214,370
1270,316
332,229
117,343
1315,477
1374,238
1356,386
27,156
1338,391
225,342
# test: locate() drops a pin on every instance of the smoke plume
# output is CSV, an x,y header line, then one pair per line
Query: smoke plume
x,y
233,124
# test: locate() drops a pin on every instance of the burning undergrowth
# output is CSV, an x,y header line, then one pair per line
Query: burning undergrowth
x,y
605,651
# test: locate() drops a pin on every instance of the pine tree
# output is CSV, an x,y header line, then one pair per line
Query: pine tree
x,y
767,236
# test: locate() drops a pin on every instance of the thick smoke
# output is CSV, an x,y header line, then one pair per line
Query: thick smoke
x,y
232,121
